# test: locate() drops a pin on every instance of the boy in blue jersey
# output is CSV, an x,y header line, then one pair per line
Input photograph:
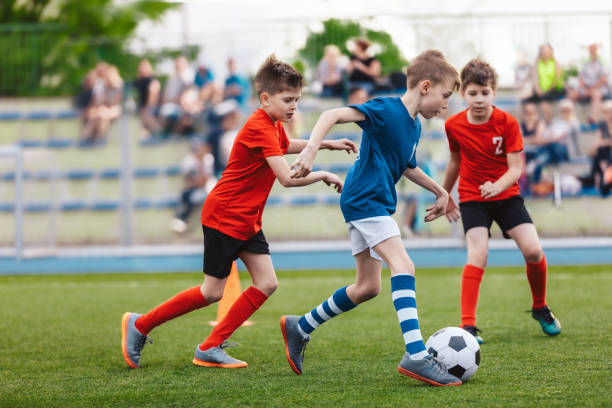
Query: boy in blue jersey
x,y
391,131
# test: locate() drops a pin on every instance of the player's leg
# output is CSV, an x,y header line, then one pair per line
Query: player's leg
x,y
477,220
416,362
256,256
477,242
528,242
296,330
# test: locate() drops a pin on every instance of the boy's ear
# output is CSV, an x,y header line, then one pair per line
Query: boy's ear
x,y
424,86
264,99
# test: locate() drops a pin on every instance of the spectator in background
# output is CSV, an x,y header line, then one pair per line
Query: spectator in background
x,y
208,92
601,151
559,132
197,168
237,86
224,118
176,99
148,89
83,99
593,84
107,94
364,69
532,128
330,72
357,96
523,78
548,84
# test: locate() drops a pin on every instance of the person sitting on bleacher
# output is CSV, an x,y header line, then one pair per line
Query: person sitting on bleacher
x,y
107,94
601,152
148,88
330,72
179,98
197,168
593,84
559,139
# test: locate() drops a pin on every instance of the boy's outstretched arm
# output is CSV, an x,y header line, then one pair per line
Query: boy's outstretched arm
x,y
450,177
281,170
297,145
419,177
303,163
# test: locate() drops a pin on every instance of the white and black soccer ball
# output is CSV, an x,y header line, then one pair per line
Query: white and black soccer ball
x,y
457,350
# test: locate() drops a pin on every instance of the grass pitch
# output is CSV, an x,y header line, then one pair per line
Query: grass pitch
x,y
60,344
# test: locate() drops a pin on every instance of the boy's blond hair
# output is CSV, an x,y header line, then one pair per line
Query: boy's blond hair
x,y
275,76
431,65
478,72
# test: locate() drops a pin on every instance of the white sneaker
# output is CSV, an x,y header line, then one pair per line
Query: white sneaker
x,y
177,225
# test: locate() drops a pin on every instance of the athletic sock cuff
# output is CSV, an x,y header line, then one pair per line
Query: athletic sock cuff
x,y
255,296
473,272
402,281
342,300
537,266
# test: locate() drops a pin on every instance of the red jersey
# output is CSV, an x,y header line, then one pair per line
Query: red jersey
x,y
483,150
237,201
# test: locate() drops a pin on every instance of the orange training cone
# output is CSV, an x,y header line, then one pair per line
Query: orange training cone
x,y
231,292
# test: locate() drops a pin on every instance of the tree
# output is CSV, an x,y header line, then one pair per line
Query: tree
x,y
338,32
56,42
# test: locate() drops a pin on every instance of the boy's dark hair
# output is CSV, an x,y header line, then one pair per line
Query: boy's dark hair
x,y
431,65
275,76
478,72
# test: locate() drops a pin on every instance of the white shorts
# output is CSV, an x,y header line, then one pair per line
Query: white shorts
x,y
369,232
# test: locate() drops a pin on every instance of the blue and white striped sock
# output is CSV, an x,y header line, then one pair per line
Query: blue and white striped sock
x,y
337,303
404,300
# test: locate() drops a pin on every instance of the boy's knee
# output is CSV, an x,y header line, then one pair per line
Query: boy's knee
x,y
211,295
367,292
533,255
268,287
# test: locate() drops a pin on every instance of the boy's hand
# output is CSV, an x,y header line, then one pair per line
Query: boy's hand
x,y
342,144
489,190
332,179
438,209
302,166
452,210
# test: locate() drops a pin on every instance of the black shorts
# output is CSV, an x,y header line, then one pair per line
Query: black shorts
x,y
221,250
506,213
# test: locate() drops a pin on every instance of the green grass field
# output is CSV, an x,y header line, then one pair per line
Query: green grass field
x,y
60,344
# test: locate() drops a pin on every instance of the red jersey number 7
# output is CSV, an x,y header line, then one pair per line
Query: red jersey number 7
x,y
497,141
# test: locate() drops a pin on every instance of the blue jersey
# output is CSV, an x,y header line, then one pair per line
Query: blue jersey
x,y
388,145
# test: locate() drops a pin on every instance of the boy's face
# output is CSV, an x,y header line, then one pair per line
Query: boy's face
x,y
479,98
281,106
434,98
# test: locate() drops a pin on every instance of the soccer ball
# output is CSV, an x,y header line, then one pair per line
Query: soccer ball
x,y
457,350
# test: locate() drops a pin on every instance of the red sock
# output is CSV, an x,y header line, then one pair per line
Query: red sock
x,y
470,286
184,302
536,275
249,301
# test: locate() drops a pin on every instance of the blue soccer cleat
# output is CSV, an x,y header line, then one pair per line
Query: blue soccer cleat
x,y
132,341
217,357
550,324
295,342
428,370
473,330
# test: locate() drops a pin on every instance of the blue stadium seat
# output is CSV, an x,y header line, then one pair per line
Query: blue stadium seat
x,y
303,200
37,207
143,203
146,172
173,170
166,203
109,173
31,143
10,115
7,207
76,205
105,205
59,143
79,174
38,115
67,114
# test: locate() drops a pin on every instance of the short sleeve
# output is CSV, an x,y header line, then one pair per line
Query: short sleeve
x,y
453,146
265,139
512,135
375,112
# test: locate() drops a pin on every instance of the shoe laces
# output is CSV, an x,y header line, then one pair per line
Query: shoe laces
x,y
304,347
473,330
228,344
438,366
545,314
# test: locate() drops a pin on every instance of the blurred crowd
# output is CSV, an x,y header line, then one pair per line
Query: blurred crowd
x,y
191,102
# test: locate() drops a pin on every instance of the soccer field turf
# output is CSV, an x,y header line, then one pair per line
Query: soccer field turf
x,y
60,344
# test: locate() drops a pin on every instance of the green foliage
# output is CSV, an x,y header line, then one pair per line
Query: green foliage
x,y
49,46
338,32
60,345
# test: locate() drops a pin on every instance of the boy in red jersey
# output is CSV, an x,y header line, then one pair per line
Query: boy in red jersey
x,y
231,220
485,145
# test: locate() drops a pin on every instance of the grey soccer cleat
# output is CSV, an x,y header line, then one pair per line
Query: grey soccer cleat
x,y
217,357
428,370
295,342
132,341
